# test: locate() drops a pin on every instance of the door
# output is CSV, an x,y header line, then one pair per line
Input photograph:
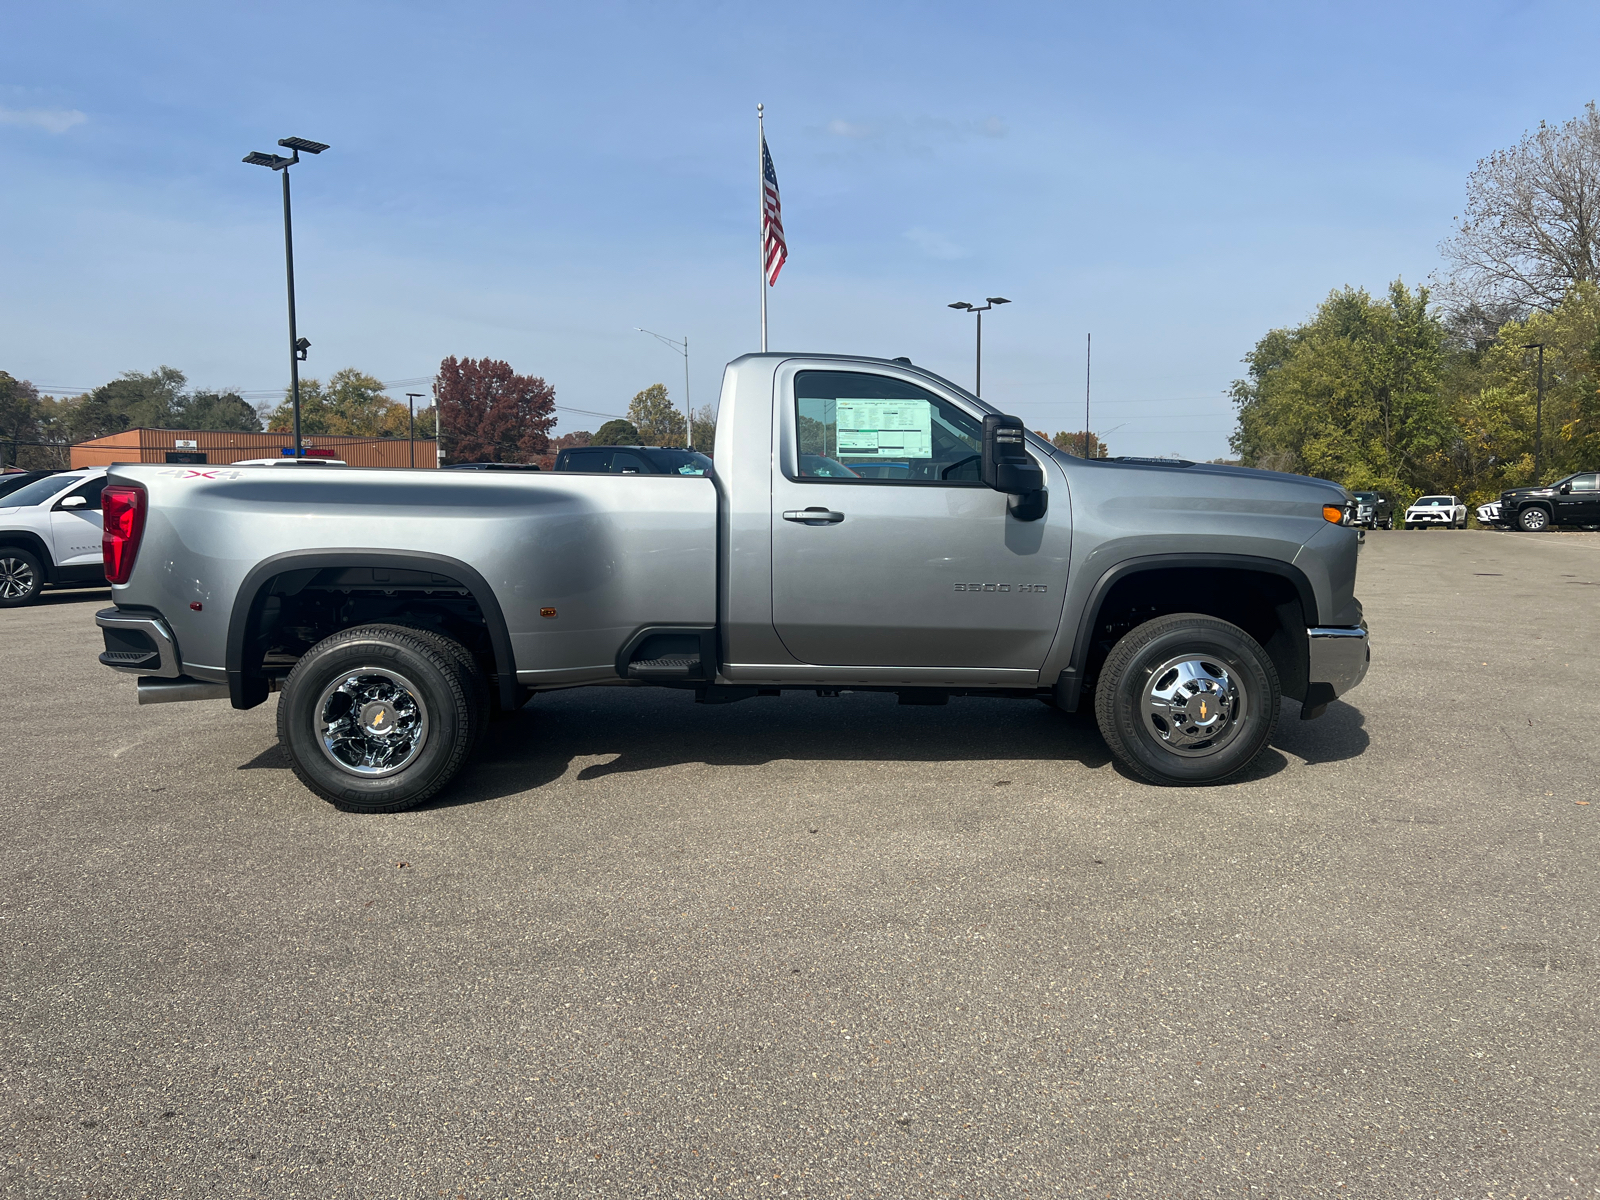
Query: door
x,y
75,529
1581,505
887,550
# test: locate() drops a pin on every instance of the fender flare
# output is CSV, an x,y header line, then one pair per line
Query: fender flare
x,y
251,598
1072,678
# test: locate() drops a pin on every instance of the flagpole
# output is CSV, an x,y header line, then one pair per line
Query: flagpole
x,y
761,210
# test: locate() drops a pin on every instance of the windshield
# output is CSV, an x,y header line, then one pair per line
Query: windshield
x,y
1367,497
1435,502
41,490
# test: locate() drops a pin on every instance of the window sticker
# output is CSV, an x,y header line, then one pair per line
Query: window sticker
x,y
885,428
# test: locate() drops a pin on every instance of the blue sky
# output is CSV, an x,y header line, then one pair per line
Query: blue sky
x,y
533,181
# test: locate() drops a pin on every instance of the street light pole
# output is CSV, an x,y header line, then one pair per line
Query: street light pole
x,y
298,346
411,428
1538,416
977,389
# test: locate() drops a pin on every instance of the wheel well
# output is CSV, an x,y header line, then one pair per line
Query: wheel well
x,y
1267,606
281,613
35,546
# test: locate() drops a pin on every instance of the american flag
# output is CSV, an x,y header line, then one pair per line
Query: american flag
x,y
774,253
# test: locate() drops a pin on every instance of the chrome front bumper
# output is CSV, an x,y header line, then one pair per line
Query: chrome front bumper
x,y
1340,655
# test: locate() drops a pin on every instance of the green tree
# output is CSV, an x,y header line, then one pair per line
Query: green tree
x,y
1072,443
616,433
651,412
224,411
1352,395
351,404
704,428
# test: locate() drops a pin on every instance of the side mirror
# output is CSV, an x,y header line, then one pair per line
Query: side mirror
x,y
75,502
1566,489
1008,467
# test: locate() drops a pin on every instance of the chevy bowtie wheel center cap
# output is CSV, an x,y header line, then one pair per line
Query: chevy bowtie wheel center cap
x,y
377,719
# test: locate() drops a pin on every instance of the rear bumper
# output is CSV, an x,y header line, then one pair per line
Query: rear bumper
x,y
138,643
1339,657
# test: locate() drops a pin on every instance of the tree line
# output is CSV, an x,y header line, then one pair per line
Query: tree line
x,y
1436,389
485,410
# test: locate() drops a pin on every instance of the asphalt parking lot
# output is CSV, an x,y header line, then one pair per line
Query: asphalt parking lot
x,y
827,947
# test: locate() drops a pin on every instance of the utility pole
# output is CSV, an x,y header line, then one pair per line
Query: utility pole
x,y
298,346
411,428
683,349
1538,416
1088,356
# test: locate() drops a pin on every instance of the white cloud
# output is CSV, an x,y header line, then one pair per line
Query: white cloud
x,y
848,129
51,120
933,243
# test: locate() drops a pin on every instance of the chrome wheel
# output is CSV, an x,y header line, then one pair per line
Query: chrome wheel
x,y
18,579
1193,706
1533,520
371,722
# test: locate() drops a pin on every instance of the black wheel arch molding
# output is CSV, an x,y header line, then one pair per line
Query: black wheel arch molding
x,y
34,545
247,688
1068,686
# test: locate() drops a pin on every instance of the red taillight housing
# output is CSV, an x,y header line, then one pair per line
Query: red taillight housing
x,y
122,508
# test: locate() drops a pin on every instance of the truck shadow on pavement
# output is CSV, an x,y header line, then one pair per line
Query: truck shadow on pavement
x,y
638,731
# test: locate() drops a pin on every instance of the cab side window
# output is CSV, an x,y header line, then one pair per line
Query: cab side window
x,y
1586,483
853,427
588,460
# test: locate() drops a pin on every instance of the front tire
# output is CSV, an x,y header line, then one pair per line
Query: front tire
x,y
1533,520
378,718
1187,699
21,577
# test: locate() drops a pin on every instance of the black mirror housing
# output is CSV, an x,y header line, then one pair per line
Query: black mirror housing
x,y
1008,467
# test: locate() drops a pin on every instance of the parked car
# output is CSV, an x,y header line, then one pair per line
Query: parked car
x,y
1574,500
289,462
390,618
1373,510
1437,512
14,480
50,535
1489,514
632,460
491,466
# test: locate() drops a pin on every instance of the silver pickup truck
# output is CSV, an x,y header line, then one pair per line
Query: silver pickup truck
x,y
867,526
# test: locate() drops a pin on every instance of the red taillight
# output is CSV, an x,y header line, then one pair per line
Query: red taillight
x,y
123,510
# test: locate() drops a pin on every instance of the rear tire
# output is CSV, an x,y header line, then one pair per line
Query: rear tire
x,y
1187,699
380,718
21,577
1533,520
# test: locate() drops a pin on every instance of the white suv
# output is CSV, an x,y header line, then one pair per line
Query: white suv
x,y
50,535
1437,512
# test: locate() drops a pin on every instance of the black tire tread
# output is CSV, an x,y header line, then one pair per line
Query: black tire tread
x,y
1117,662
423,643
38,576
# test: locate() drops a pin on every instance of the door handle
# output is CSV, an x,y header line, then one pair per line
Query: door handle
x,y
813,516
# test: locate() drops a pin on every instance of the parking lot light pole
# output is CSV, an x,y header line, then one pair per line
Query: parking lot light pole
x,y
297,344
1538,416
411,426
977,375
